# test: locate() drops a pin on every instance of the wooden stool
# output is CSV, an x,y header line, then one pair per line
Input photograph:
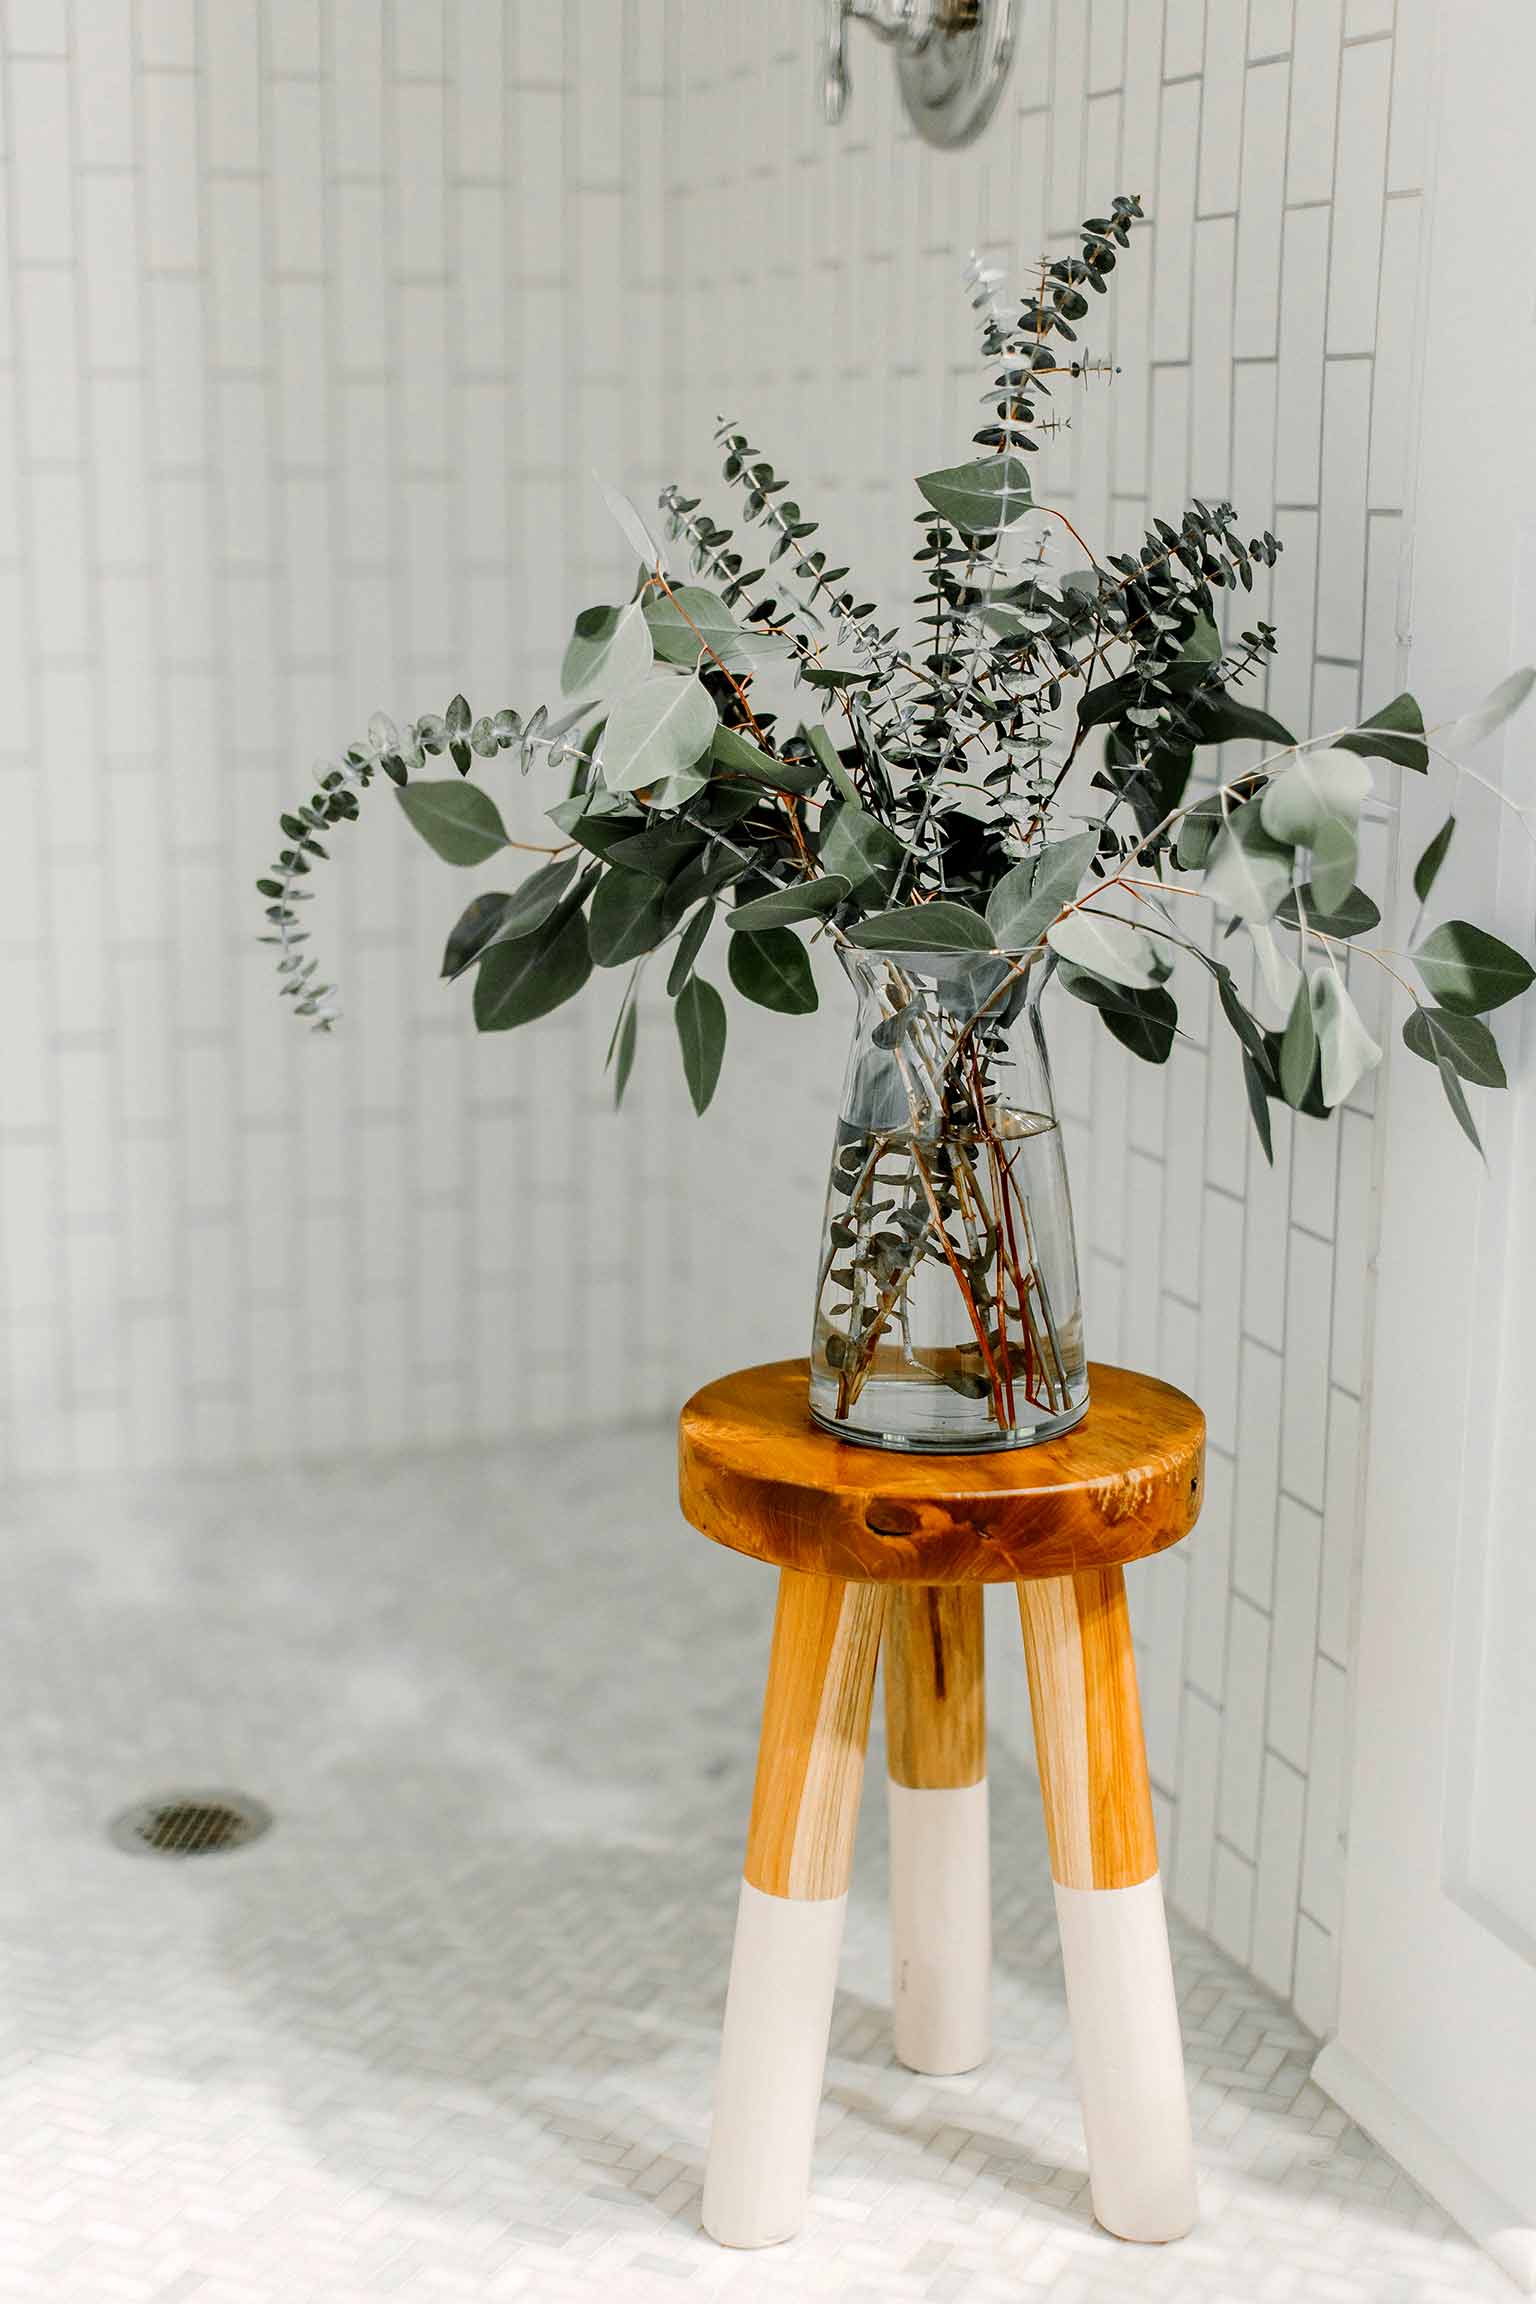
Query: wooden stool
x,y
869,1544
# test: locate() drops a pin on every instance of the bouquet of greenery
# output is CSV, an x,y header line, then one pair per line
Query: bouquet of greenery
x,y
747,737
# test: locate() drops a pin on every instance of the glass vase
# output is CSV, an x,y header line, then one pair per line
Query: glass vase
x,y
948,1311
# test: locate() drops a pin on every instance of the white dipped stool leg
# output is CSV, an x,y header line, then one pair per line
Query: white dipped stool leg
x,y
1109,1903
789,1927
941,1895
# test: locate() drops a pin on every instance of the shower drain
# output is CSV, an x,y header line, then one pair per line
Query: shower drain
x,y
191,1824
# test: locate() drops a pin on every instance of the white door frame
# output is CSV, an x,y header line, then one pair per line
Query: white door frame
x,y
1435,2052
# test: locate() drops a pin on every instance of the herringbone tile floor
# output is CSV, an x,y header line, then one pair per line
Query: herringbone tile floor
x,y
449,2032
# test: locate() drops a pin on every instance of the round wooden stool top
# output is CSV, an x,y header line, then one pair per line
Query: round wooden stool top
x,y
756,1474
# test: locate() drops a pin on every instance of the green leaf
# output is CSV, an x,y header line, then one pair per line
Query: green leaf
x,y
1247,1026
1107,947
774,969
978,498
459,821
689,945
1249,872
509,917
1314,790
1427,870
738,755
1469,970
1440,1036
609,649
808,900
1258,1105
1335,855
627,916
634,528
826,752
1355,916
1027,899
1204,643
858,847
471,932
1346,1049
1491,714
937,927
520,981
1394,733
656,730
660,849
624,1063
1145,1021
1197,834
1298,1050
700,1014
689,619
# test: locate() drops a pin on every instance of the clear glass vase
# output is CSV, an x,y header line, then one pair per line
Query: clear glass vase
x,y
948,1312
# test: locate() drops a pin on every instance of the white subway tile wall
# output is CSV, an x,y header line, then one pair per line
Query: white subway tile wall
x,y
316,315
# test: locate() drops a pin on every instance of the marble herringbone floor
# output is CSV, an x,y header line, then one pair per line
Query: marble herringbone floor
x,y
449,2032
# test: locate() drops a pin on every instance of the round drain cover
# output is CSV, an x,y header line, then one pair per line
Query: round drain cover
x,y
191,1824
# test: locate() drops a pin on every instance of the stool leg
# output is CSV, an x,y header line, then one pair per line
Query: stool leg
x,y
1109,1903
789,1928
941,1897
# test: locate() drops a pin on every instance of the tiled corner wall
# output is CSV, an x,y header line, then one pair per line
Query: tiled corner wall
x,y
314,315
1264,327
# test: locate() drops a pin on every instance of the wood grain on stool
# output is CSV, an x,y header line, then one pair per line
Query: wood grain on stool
x,y
810,1764
1088,1738
756,1474
935,1686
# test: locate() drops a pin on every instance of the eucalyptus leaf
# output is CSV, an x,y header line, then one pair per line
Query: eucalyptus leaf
x,y
628,916
1427,870
1143,1020
860,849
1469,970
609,650
1249,872
1314,790
1335,859
459,821
520,914
687,620
807,900
1346,1050
1485,718
774,969
1027,899
633,527
1394,733
981,497
1464,1042
1298,1050
936,927
827,753
1107,947
1258,1105
625,1058
655,730
689,946
736,753
1355,916
1280,973
700,1017
471,932
521,981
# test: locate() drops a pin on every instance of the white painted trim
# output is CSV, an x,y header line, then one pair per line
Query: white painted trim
x,y
773,2055
1429,2160
1130,2059
941,1926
